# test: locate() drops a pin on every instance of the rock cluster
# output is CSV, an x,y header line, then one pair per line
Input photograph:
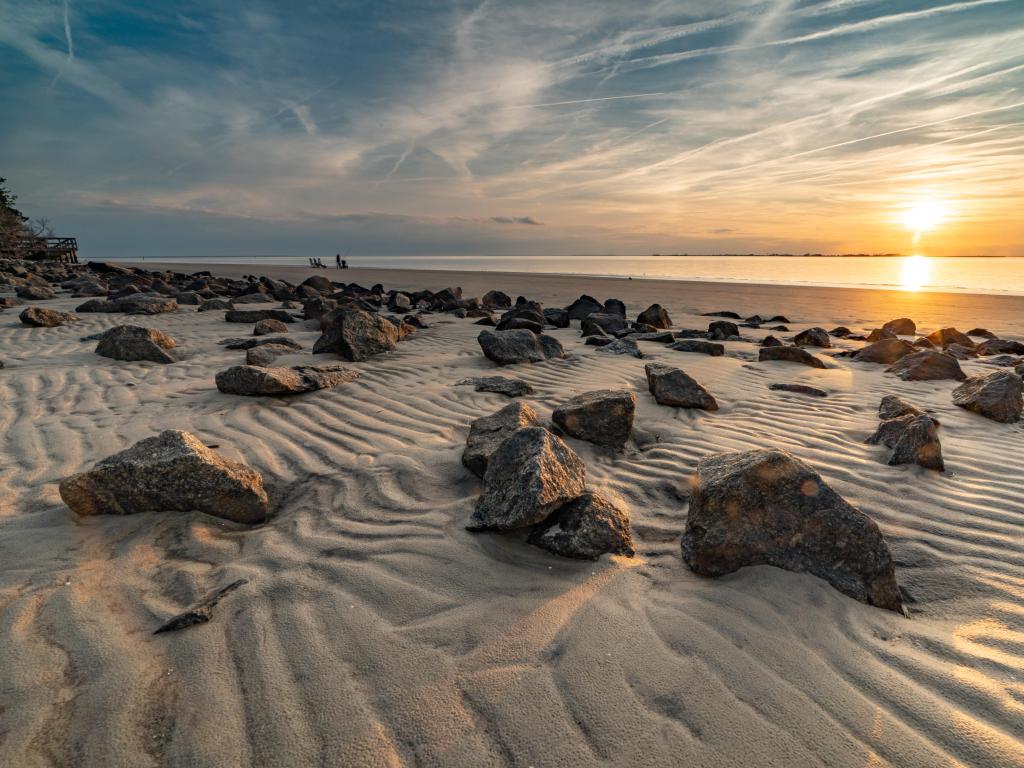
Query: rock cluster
x,y
910,433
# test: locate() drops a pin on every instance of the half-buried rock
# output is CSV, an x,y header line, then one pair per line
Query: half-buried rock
x,y
173,471
886,351
767,507
927,365
488,432
133,342
529,476
674,387
995,395
41,317
518,346
585,528
603,417
254,381
501,385
911,433
356,335
268,326
265,354
789,354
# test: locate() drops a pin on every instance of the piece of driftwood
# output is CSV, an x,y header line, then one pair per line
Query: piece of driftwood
x,y
200,613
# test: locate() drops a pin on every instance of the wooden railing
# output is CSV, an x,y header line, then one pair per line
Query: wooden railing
x,y
63,249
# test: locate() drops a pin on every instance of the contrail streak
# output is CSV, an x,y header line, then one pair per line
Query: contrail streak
x,y
588,101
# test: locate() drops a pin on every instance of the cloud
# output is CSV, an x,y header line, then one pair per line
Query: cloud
x,y
516,220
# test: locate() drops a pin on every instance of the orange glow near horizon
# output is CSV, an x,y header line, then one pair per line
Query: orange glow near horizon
x,y
924,216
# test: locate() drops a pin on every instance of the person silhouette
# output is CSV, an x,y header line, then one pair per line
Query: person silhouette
x,y
337,260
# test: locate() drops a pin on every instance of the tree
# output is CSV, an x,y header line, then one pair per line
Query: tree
x,y
14,225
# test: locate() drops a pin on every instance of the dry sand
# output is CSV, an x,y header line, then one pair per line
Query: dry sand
x,y
376,631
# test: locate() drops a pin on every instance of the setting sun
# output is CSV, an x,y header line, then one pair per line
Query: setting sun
x,y
924,216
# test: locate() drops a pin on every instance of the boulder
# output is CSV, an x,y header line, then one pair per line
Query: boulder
x,y
133,342
585,528
501,385
552,347
614,307
33,292
923,343
727,313
840,332
255,315
995,395
211,305
264,355
621,347
699,346
878,334
530,475
355,335
913,438
511,347
655,315
319,283
1000,347
800,389
583,307
603,417
766,507
496,300
813,337
249,342
135,304
982,333
960,352
771,341
722,329
659,337
41,317
172,471
892,407
602,321
557,317
927,365
674,387
269,326
488,432
947,336
253,381
901,326
790,355
886,351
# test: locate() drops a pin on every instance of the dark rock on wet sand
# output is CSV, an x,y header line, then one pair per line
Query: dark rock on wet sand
x,y
886,351
790,355
585,528
517,346
813,337
355,335
489,432
901,326
501,385
800,389
719,330
603,417
995,395
674,387
135,343
767,507
255,315
253,381
699,346
927,365
41,317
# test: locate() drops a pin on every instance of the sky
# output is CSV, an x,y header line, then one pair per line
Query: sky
x,y
230,127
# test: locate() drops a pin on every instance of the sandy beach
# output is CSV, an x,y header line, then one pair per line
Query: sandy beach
x,y
375,630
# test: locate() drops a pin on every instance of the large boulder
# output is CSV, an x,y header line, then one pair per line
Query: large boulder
x,y
901,326
253,381
496,300
41,317
33,292
655,315
211,305
268,326
790,355
813,337
319,283
135,304
615,307
585,528
719,330
671,386
488,432
927,365
893,406
355,335
878,334
1000,347
529,476
264,355
583,307
995,395
133,342
603,417
886,351
602,321
946,336
518,346
766,507
619,347
172,471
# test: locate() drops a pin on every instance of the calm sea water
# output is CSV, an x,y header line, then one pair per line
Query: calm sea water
x,y
967,275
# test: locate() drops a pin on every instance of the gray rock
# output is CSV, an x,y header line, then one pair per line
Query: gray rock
x,y
790,355
602,321
134,343
34,292
995,395
211,305
660,337
253,381
248,342
41,317
173,471
269,326
621,347
489,432
655,315
255,315
501,385
136,304
674,387
813,337
529,476
767,507
512,347
960,352
886,351
585,528
603,417
722,329
892,407
355,335
264,355
800,389
901,326
552,347
914,439
1000,347
699,346
927,365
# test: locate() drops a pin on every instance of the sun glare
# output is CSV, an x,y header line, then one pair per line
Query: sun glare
x,y
923,216
915,271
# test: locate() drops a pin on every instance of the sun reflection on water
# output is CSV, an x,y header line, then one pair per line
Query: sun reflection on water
x,y
915,272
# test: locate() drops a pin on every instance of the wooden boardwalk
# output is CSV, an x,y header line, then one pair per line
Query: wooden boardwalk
x,y
62,249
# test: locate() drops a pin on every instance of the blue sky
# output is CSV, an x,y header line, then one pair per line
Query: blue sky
x,y
228,127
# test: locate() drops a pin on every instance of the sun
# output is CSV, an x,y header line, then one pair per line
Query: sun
x,y
923,216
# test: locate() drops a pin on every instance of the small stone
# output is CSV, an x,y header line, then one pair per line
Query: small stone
x,y
268,326
800,389
674,387
789,354
699,346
